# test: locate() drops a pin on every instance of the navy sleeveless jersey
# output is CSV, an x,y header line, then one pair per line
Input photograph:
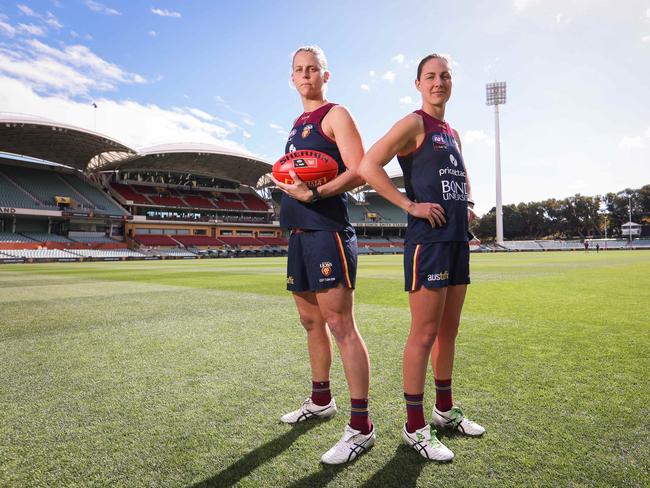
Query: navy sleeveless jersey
x,y
329,213
435,172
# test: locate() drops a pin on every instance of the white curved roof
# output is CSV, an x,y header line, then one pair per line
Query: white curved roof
x,y
197,158
42,138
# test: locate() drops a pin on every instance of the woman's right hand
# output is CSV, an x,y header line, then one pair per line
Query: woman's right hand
x,y
433,212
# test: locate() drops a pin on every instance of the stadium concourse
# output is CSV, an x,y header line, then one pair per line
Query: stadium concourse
x,y
69,194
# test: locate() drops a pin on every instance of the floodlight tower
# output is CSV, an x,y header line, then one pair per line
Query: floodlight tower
x,y
496,95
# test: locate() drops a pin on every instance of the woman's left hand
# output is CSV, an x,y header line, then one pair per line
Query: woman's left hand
x,y
297,189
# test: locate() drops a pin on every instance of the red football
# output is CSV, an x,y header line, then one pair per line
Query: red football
x,y
313,167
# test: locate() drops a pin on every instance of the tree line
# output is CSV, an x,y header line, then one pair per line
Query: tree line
x,y
572,217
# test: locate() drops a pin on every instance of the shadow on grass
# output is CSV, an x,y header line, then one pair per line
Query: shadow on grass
x,y
402,471
238,470
320,478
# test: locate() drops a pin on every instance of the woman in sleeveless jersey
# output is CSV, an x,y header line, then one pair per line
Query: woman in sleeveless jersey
x,y
321,265
436,254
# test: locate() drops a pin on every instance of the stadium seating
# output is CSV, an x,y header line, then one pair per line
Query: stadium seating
x,y
198,202
90,237
129,193
522,246
253,202
198,241
357,213
101,201
640,243
12,196
386,210
43,237
11,237
106,253
274,241
156,240
180,253
40,253
43,185
167,201
241,241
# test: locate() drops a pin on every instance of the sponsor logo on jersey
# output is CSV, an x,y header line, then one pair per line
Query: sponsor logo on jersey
x,y
442,276
292,148
326,268
453,160
306,130
292,133
439,142
289,280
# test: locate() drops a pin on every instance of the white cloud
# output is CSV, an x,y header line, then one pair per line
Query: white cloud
x,y
365,87
647,13
522,5
31,29
631,142
101,8
49,19
165,13
133,123
406,100
6,27
389,76
399,59
371,73
473,136
279,129
26,10
246,134
73,70
645,38
200,114
275,126
248,121
647,132
152,33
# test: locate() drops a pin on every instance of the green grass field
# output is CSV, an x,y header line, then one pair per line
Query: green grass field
x,y
175,373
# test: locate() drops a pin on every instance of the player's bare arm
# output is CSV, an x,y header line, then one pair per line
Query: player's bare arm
x,y
402,138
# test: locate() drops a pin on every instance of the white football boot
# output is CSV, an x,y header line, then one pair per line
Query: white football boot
x,y
309,410
351,446
425,442
454,419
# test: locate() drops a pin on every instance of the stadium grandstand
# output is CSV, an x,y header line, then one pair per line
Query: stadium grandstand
x,y
69,194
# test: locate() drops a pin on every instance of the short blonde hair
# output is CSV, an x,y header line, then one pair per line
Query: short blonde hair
x,y
316,51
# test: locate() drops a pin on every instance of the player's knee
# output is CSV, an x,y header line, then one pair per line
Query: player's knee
x,y
310,322
425,336
448,332
341,326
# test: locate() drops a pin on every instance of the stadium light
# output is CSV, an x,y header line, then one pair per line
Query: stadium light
x,y
496,95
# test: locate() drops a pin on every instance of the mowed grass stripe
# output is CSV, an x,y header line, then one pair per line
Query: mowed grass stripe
x,y
175,387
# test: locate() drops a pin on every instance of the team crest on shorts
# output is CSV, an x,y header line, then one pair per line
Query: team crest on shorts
x,y
306,130
326,268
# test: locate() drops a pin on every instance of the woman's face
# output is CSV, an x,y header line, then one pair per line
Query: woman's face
x,y
308,76
435,82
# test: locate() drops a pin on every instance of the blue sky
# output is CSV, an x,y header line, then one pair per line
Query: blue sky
x,y
577,118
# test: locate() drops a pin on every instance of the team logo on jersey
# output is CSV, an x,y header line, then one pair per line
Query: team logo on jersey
x,y
326,268
453,160
292,148
439,142
306,130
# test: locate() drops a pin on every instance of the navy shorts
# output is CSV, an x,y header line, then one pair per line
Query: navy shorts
x,y
320,259
436,265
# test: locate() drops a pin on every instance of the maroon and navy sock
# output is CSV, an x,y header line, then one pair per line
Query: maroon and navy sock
x,y
444,401
414,411
320,392
359,419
